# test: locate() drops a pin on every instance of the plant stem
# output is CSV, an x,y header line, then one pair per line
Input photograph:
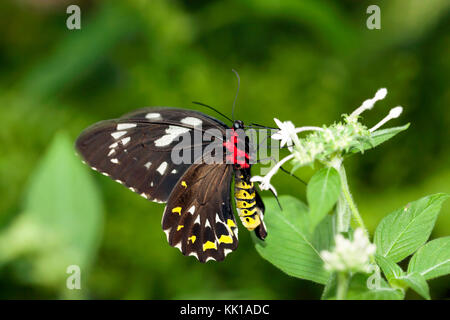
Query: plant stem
x,y
349,198
342,286
343,214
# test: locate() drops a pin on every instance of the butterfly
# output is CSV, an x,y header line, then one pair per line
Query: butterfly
x,y
137,150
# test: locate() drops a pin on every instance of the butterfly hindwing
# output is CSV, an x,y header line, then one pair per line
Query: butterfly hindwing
x,y
198,218
136,150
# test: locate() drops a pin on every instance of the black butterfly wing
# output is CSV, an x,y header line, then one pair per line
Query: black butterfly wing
x,y
198,218
135,150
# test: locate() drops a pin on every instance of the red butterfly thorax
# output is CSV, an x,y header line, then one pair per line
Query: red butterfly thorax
x,y
237,156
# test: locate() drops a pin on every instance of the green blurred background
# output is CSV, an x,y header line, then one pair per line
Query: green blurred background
x,y
307,61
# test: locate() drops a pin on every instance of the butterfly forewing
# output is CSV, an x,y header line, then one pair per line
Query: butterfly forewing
x,y
136,150
198,218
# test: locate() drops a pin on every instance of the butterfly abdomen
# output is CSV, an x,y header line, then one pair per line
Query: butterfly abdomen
x,y
248,208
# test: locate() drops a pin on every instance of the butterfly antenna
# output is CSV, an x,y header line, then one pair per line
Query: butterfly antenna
x,y
282,169
205,105
278,201
293,175
237,91
262,126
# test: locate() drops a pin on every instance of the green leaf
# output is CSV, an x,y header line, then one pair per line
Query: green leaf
x,y
322,193
416,282
390,269
324,233
62,218
401,232
359,290
378,137
432,260
289,246
398,279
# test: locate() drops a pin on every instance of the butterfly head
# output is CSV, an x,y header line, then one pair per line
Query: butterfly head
x,y
238,124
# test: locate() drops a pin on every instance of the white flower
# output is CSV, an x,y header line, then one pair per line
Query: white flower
x,y
328,135
394,113
264,182
326,143
288,133
369,103
350,256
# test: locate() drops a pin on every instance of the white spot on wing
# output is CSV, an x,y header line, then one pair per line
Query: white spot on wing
x,y
210,258
167,233
171,134
116,135
144,195
122,126
125,140
192,210
113,145
174,171
227,251
111,152
147,165
193,254
191,121
153,115
151,184
114,160
207,223
218,220
162,168
197,220
178,245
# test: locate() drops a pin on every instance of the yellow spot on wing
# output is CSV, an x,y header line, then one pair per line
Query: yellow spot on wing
x,y
192,238
183,183
209,245
225,239
179,227
231,223
177,210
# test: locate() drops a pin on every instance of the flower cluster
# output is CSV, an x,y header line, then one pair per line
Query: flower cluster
x,y
327,144
350,256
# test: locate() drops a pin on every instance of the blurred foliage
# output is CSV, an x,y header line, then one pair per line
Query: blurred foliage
x,y
60,224
306,61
